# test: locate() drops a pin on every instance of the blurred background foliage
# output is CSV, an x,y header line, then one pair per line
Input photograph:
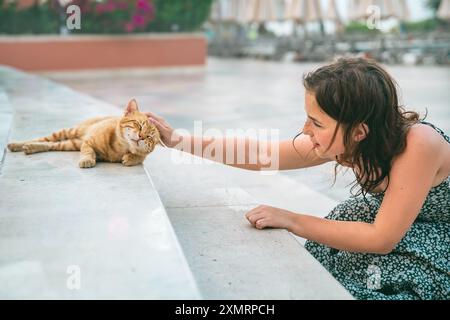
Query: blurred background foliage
x,y
108,16
35,19
180,15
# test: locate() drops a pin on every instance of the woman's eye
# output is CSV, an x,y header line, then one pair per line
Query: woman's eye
x,y
317,125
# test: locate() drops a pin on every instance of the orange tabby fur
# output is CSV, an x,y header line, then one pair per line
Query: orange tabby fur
x,y
128,139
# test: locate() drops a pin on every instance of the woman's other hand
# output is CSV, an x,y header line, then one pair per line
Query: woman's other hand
x,y
265,216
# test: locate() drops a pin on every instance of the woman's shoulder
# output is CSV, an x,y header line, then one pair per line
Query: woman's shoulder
x,y
425,139
425,135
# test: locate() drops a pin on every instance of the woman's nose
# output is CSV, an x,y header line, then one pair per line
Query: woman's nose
x,y
306,128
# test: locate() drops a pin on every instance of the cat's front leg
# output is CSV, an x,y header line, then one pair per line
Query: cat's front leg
x,y
130,159
87,156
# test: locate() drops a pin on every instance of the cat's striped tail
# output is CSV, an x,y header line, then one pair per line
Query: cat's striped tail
x,y
63,140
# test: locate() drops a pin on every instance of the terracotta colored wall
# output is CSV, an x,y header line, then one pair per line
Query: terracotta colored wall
x,y
44,53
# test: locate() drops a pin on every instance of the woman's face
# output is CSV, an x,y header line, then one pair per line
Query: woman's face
x,y
320,128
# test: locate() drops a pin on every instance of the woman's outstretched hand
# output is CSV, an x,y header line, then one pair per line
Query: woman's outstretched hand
x,y
168,135
265,216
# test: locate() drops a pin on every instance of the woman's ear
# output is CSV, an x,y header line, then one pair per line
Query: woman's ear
x,y
360,132
131,107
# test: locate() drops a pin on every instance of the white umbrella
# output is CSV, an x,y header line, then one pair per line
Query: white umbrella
x,y
244,11
332,12
222,11
263,11
405,9
388,8
216,13
444,10
303,11
362,8
354,8
398,9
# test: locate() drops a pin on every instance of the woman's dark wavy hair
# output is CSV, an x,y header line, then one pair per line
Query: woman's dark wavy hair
x,y
354,91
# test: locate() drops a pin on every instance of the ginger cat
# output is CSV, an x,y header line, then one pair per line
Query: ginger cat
x,y
128,139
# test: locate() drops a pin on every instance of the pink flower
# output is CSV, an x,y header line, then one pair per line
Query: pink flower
x,y
110,6
138,21
100,8
105,7
144,5
129,27
122,5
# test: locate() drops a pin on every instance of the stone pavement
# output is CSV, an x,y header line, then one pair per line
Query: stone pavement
x,y
108,221
71,233
231,94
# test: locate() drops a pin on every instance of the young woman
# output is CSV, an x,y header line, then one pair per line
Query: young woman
x,y
392,239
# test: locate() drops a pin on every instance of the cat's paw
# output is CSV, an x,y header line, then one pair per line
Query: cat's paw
x,y
130,160
30,148
15,147
86,163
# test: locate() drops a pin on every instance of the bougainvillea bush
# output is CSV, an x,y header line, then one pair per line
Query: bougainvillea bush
x,y
115,16
106,16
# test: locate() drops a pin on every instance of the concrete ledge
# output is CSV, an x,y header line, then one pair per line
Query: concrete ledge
x,y
78,52
104,226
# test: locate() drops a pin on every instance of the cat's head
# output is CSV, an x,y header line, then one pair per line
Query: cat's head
x,y
137,130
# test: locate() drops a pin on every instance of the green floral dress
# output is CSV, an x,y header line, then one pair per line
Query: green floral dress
x,y
419,266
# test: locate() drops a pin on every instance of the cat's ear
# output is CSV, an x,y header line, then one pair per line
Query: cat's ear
x,y
131,107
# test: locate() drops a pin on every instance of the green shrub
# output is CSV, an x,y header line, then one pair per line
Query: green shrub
x,y
34,20
359,27
109,16
424,25
180,15
114,16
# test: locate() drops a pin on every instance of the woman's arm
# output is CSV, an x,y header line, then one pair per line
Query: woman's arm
x,y
341,235
251,154
244,153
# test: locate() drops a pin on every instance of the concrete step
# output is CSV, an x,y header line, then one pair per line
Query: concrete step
x,y
206,203
5,123
69,233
